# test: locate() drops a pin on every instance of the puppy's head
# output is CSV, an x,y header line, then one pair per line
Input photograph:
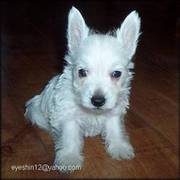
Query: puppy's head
x,y
100,63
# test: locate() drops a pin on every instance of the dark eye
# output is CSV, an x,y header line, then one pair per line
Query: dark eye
x,y
82,73
115,74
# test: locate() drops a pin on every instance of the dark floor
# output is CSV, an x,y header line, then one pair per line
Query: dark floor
x,y
33,46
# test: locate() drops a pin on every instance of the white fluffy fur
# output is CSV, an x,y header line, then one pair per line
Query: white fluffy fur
x,y
64,107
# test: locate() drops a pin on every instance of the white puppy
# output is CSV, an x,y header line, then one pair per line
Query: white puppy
x,y
92,95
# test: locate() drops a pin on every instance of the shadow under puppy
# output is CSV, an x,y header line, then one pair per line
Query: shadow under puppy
x,y
91,96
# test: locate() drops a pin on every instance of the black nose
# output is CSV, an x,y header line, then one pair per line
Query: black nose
x,y
98,100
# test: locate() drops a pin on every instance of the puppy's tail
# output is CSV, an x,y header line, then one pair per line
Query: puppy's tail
x,y
33,112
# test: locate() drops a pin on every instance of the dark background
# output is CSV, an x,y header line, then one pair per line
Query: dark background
x,y
49,18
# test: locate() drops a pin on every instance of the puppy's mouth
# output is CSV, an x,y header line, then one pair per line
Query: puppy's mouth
x,y
101,110
97,109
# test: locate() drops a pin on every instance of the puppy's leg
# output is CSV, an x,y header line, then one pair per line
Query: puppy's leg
x,y
116,140
68,147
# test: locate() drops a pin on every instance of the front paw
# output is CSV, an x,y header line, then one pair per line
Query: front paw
x,y
68,162
121,151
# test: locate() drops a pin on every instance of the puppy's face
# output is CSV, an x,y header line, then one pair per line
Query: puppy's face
x,y
99,72
100,62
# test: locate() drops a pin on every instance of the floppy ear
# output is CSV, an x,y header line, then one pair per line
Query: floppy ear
x,y
77,30
128,33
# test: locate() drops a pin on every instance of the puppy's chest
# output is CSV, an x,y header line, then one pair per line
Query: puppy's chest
x,y
91,125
